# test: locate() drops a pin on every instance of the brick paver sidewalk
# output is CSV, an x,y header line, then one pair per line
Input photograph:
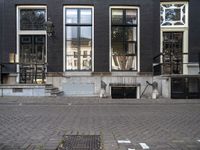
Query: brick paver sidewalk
x,y
40,123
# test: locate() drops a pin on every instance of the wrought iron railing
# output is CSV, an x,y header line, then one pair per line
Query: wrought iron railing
x,y
27,72
169,64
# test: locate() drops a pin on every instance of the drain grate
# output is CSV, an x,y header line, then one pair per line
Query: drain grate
x,y
81,142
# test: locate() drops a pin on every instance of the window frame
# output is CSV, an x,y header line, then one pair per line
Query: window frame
x,y
79,25
178,28
186,4
28,32
19,31
137,40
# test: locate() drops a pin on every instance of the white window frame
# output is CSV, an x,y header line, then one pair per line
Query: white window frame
x,y
27,32
177,28
186,14
138,37
64,38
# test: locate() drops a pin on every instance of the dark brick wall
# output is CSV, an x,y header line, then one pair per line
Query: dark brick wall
x,y
149,30
1,30
194,30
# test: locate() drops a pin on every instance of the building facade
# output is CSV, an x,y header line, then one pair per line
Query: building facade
x,y
127,47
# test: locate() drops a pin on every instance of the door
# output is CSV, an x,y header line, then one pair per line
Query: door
x,y
32,58
172,52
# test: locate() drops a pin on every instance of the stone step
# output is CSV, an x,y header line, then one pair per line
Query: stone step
x,y
57,93
49,85
49,90
53,91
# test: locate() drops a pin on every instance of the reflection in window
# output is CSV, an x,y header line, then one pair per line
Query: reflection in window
x,y
124,39
32,19
85,16
71,16
78,38
173,14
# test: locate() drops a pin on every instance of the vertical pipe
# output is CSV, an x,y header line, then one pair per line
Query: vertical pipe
x,y
199,62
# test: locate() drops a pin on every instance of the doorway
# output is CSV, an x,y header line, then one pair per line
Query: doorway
x,y
172,52
32,59
123,92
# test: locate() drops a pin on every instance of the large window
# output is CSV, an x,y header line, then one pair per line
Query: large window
x,y
78,38
124,38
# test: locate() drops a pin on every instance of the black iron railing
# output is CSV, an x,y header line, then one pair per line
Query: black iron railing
x,y
28,72
168,64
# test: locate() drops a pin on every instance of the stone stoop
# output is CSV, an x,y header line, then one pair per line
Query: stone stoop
x,y
53,91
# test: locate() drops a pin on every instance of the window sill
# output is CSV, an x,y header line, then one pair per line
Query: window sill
x,y
77,73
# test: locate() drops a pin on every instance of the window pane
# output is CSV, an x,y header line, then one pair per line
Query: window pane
x,y
72,47
85,62
86,33
85,47
117,34
71,16
172,14
72,62
123,62
117,16
131,34
32,19
86,16
131,17
71,33
118,48
131,48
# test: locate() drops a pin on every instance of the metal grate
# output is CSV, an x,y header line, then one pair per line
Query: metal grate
x,y
81,142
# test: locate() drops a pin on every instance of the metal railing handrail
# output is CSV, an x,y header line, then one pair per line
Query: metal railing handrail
x,y
23,71
158,61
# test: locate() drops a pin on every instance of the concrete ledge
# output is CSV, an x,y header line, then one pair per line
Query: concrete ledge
x,y
22,90
25,86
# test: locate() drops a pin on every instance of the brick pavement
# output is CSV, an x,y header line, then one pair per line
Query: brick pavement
x,y
38,125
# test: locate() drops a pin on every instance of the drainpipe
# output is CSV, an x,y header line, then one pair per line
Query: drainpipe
x,y
199,62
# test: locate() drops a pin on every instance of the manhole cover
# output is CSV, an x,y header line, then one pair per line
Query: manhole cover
x,y
81,142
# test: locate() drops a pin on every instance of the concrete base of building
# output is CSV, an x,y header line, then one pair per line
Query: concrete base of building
x,y
23,90
90,84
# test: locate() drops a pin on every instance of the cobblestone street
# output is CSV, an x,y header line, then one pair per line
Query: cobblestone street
x,y
26,124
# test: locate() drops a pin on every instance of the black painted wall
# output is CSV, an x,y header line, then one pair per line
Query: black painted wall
x,y
194,30
1,29
149,30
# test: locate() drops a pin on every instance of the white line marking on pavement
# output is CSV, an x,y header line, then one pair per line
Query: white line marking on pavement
x,y
124,141
130,149
144,145
198,140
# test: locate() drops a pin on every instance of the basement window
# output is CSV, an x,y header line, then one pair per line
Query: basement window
x,y
17,90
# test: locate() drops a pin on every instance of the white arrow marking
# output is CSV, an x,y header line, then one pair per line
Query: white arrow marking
x,y
144,145
123,141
